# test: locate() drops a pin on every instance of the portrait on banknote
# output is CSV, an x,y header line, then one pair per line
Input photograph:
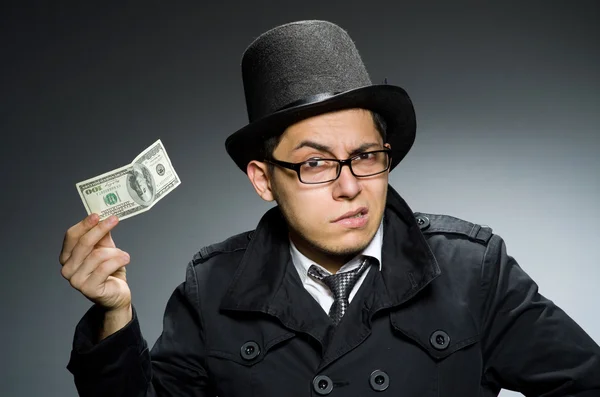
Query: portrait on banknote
x,y
141,185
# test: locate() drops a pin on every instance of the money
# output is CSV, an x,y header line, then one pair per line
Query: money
x,y
132,189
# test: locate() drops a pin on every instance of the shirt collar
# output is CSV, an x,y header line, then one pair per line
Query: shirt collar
x,y
302,263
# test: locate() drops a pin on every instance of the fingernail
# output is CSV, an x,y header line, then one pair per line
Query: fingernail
x,y
112,220
93,218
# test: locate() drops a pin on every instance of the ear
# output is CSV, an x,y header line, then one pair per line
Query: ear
x,y
388,146
259,177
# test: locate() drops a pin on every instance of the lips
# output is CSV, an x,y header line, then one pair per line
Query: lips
x,y
350,214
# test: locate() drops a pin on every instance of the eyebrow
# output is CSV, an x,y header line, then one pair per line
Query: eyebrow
x,y
325,148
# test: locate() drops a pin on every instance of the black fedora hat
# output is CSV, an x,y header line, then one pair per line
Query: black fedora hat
x,y
306,68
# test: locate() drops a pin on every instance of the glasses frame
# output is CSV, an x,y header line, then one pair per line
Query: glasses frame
x,y
342,163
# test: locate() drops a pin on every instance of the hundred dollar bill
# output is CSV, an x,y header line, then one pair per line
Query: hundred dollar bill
x,y
132,189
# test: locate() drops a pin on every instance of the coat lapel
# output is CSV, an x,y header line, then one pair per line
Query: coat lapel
x,y
408,262
266,281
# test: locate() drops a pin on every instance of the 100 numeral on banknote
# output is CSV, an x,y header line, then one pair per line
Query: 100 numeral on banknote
x,y
132,189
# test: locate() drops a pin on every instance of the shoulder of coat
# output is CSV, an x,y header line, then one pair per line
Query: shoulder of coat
x,y
234,243
440,224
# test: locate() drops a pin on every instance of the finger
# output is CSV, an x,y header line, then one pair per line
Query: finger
x,y
73,235
84,268
78,273
97,256
94,285
106,241
87,242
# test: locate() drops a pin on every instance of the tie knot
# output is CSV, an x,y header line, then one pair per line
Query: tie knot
x,y
340,284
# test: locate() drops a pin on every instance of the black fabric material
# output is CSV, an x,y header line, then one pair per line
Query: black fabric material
x,y
452,279
307,68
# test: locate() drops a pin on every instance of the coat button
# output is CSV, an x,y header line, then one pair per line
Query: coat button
x,y
423,222
322,385
379,380
250,350
439,340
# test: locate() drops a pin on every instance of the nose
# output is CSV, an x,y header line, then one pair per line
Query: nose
x,y
347,185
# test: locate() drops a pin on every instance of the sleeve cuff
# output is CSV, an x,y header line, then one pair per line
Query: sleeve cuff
x,y
87,355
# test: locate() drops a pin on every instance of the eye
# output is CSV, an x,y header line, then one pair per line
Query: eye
x,y
313,163
365,156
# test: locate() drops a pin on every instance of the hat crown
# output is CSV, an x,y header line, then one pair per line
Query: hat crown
x,y
296,61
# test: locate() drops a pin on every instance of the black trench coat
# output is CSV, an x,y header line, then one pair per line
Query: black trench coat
x,y
450,314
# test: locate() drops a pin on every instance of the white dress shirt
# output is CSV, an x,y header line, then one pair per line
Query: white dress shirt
x,y
320,291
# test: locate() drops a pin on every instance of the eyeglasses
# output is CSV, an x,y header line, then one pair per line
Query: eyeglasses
x,y
319,170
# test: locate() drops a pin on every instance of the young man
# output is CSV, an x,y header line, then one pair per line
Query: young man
x,y
341,289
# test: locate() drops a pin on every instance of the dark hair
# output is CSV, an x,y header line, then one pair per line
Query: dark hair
x,y
271,143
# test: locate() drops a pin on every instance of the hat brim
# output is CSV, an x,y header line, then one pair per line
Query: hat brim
x,y
391,102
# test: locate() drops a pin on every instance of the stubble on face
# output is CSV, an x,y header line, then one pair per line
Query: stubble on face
x,y
305,241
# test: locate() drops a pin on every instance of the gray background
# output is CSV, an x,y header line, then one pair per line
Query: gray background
x,y
507,100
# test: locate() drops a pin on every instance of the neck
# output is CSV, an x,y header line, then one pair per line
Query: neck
x,y
329,260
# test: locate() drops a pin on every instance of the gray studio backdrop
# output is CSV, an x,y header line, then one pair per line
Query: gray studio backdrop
x,y
507,100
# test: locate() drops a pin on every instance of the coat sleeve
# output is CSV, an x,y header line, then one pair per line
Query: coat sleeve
x,y
122,365
530,345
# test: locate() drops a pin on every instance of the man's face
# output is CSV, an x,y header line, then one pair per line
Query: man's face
x,y
142,186
312,211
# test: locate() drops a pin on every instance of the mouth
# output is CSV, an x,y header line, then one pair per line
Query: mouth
x,y
358,213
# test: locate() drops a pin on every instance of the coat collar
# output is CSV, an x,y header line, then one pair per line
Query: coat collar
x,y
266,280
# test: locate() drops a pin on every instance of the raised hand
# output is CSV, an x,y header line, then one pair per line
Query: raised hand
x,y
94,266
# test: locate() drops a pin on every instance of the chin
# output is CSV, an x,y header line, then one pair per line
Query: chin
x,y
351,243
350,250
